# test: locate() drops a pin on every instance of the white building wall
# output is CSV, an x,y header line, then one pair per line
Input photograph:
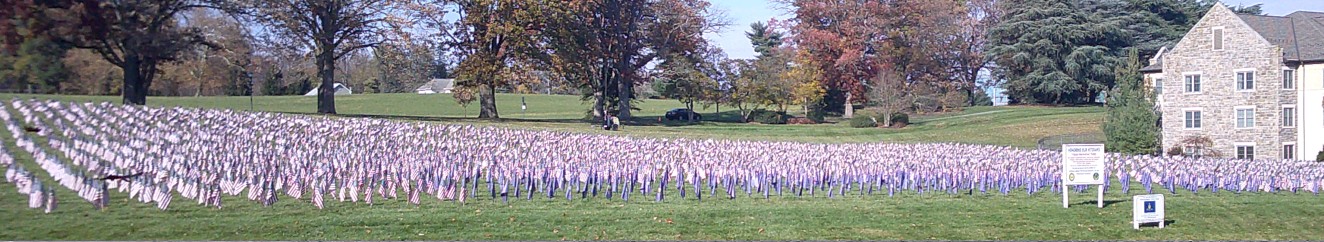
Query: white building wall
x,y
1310,140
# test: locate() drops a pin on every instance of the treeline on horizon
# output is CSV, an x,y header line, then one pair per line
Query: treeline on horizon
x,y
893,56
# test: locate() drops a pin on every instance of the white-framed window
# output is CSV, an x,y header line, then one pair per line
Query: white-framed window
x,y
1245,80
1245,117
1158,85
1192,118
1192,83
1245,151
1218,38
1289,116
1289,151
1289,79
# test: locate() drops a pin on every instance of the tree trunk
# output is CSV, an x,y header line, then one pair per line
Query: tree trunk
x,y
970,96
487,101
887,119
598,105
805,106
146,72
689,116
623,91
326,69
132,80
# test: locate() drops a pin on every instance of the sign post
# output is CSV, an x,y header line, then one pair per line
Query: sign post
x,y
1147,209
1082,164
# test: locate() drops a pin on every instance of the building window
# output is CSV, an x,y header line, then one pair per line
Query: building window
x,y
1158,85
1218,38
1245,117
1192,119
1289,79
1289,152
1246,152
1289,117
1193,83
1245,80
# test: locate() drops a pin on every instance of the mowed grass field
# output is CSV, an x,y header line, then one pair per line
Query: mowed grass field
x,y
907,216
1017,126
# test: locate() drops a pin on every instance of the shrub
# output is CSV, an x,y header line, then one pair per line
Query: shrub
x,y
768,117
1176,151
900,120
982,98
816,115
801,121
863,121
1320,156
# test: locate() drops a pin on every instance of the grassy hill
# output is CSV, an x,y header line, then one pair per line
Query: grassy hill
x,y
1009,126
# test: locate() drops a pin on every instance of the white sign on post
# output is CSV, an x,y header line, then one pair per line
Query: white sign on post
x,y
1147,209
1082,164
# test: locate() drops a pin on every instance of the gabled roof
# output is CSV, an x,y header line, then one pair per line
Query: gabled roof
x,y
1285,31
1310,30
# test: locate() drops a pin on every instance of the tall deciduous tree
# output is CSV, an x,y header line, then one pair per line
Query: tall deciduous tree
x,y
29,60
687,82
220,68
331,29
489,36
403,66
137,36
36,67
969,59
807,91
845,39
603,46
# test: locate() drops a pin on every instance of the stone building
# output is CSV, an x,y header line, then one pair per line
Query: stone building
x,y
1245,83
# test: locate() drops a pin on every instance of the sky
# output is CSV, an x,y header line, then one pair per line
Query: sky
x,y
744,12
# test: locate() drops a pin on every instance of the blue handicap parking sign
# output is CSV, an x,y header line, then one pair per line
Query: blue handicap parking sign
x,y
1149,206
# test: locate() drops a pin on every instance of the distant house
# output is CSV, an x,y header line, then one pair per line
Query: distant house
x,y
341,89
436,85
1246,83
997,95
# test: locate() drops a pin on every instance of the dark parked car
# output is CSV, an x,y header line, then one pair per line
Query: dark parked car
x,y
683,114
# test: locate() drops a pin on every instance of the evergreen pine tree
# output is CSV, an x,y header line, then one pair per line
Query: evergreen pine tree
x,y
1131,125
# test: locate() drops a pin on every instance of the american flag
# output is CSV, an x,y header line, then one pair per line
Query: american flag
x,y
413,195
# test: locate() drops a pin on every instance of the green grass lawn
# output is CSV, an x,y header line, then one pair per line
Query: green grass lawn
x,y
1222,216
1008,126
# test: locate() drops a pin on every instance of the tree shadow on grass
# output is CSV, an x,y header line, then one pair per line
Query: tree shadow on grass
x,y
1166,223
452,119
729,117
1106,203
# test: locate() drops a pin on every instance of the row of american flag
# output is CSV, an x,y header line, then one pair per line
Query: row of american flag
x,y
204,155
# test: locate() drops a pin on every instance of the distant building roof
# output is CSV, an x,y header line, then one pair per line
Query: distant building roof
x,y
1155,63
1156,67
436,85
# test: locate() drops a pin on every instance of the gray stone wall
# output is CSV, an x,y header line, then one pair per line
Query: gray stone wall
x,y
1243,48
